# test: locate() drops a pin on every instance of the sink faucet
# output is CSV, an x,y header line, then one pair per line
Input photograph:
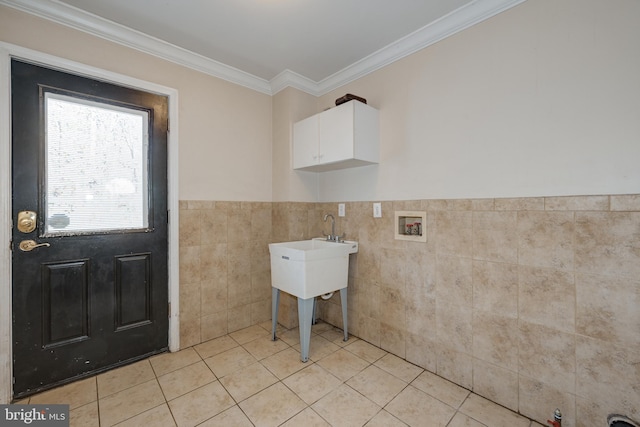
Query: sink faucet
x,y
333,236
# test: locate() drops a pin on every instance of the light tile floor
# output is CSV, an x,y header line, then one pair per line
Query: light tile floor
x,y
245,379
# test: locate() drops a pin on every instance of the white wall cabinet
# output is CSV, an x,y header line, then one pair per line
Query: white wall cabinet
x,y
342,137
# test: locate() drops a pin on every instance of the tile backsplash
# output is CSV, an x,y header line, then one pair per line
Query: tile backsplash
x,y
533,303
224,268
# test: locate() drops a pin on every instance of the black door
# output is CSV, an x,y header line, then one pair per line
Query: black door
x,y
89,243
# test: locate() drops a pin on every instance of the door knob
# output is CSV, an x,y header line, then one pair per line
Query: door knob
x,y
29,245
26,221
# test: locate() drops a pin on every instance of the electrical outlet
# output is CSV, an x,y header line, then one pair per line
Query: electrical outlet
x,y
340,209
377,210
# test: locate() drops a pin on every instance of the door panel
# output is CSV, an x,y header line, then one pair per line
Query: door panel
x,y
96,176
133,300
65,310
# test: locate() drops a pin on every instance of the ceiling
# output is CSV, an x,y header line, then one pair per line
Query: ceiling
x,y
315,45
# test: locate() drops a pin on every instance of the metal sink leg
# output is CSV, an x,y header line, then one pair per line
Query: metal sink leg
x,y
343,300
305,315
275,301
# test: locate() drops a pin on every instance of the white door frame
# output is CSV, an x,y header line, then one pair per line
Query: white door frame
x,y
8,51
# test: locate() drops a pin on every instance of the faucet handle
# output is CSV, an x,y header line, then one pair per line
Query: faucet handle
x,y
557,419
340,239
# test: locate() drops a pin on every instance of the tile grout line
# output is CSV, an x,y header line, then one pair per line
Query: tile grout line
x,y
281,380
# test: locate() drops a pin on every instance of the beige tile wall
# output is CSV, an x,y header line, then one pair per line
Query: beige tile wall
x,y
533,303
225,282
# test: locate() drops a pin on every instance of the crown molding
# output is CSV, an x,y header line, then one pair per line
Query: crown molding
x,y
86,22
288,78
448,25
452,23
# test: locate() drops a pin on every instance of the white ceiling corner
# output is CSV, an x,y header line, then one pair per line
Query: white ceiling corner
x,y
464,17
448,25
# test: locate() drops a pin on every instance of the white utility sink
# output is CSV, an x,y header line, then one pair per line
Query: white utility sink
x,y
308,268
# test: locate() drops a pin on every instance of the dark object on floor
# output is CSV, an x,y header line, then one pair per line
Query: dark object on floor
x,y
620,421
348,97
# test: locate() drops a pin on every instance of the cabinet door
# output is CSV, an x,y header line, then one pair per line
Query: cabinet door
x,y
305,142
335,130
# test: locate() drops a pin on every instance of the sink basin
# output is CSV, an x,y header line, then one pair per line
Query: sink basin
x,y
308,268
353,246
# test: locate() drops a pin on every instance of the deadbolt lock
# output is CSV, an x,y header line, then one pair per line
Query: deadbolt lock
x,y
26,221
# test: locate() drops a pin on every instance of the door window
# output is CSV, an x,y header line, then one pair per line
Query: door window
x,y
96,166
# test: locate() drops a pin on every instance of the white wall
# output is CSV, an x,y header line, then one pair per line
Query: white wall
x,y
289,106
225,129
543,99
